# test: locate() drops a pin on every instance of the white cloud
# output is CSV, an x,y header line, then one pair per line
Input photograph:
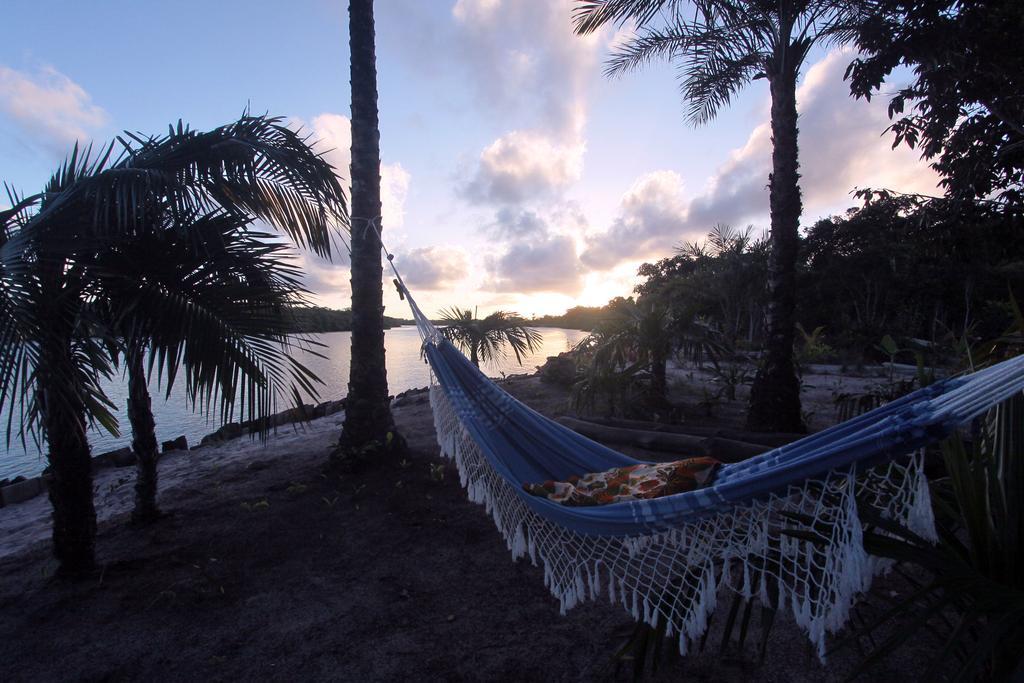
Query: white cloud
x,y
333,135
476,12
511,224
841,147
845,141
523,57
521,166
328,282
547,265
433,267
51,105
651,213
394,188
528,65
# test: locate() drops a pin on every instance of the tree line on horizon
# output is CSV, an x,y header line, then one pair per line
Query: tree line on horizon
x,y
315,319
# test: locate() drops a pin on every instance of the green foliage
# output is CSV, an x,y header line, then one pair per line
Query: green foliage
x,y
715,289
967,589
850,405
208,297
908,268
912,269
608,390
623,359
813,348
718,47
963,110
1010,343
731,376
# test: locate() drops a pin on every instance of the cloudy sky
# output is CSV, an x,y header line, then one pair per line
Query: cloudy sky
x,y
515,175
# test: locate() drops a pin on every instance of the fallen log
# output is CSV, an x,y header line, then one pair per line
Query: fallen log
x,y
680,445
773,439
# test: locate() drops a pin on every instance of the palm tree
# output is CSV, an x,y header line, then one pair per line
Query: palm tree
x,y
53,346
207,275
369,426
637,338
727,279
485,339
720,46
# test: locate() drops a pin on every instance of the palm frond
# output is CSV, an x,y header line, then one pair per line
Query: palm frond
x,y
255,166
212,301
590,15
717,46
709,84
647,46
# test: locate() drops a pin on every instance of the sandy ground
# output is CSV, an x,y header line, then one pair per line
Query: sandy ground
x,y
269,568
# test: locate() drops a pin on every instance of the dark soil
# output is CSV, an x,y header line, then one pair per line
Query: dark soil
x,y
291,574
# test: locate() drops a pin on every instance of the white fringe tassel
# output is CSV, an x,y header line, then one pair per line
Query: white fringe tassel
x,y
675,577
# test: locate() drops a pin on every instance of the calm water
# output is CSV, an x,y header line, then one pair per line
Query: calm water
x,y
173,418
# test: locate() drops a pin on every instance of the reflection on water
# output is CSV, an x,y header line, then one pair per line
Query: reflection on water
x,y
406,370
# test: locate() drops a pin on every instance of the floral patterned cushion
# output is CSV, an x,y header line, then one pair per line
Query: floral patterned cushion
x,y
652,480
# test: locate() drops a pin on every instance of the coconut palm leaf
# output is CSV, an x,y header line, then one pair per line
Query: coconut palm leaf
x,y
211,301
256,166
22,327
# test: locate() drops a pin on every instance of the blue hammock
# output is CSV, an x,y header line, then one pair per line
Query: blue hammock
x,y
523,446
667,559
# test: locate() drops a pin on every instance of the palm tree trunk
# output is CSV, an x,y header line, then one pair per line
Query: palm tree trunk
x,y
70,485
140,414
474,357
368,425
775,394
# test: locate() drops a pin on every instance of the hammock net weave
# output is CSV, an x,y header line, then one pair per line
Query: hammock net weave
x,y
667,560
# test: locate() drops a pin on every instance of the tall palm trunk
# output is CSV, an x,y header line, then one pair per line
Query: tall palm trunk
x,y
140,414
368,425
775,395
70,485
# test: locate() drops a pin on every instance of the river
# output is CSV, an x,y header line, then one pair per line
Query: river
x,y
406,370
